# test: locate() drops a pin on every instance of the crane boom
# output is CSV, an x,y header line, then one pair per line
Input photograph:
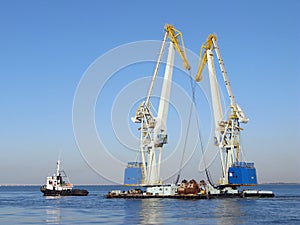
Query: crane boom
x,y
161,53
173,35
211,44
162,113
205,46
224,73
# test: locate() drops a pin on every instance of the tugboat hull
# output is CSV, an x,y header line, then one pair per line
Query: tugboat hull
x,y
69,192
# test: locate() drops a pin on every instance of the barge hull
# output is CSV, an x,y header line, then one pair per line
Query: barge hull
x,y
207,196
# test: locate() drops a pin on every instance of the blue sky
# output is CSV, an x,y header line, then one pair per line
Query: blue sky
x,y
47,46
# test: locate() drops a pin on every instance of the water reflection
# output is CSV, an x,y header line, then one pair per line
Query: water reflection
x,y
228,211
159,211
151,211
53,216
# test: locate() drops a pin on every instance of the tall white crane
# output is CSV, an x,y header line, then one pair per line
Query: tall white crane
x,y
227,130
153,130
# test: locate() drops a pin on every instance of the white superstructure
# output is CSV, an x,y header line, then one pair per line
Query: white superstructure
x,y
56,181
153,131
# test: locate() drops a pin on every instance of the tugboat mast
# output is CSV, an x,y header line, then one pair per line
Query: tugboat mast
x,y
58,168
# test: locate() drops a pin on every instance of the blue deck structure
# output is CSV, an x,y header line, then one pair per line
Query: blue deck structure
x,y
133,174
242,173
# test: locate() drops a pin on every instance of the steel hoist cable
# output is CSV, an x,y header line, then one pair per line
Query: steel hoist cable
x,y
193,85
187,130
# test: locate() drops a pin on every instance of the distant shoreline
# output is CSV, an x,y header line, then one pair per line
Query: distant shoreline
x,y
24,185
32,185
275,183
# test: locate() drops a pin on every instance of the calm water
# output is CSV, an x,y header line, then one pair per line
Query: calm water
x,y
27,205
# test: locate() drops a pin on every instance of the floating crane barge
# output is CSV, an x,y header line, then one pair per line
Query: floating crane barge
x,y
144,175
133,194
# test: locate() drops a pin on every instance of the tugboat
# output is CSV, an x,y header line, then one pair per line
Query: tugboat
x,y
57,186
